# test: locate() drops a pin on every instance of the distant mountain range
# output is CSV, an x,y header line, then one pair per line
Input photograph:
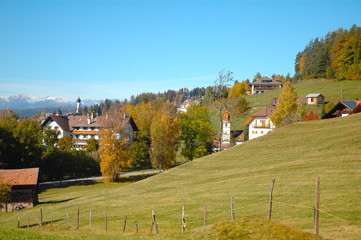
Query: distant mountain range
x,y
28,101
27,105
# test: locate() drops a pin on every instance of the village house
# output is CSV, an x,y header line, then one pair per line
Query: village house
x,y
264,84
260,123
82,128
344,108
24,190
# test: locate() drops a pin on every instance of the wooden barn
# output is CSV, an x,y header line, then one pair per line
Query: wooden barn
x,y
24,191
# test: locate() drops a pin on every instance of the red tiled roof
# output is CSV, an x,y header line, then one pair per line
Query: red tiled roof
x,y
26,176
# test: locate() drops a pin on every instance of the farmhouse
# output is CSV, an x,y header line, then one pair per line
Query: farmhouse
x,y
24,191
264,84
344,108
260,123
82,128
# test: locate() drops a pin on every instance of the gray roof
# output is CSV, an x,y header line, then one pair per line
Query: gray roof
x,y
313,95
266,81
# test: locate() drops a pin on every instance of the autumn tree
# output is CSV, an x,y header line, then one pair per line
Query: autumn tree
x,y
196,132
287,106
113,143
238,89
143,114
164,138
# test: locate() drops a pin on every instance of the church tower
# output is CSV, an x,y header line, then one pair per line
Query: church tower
x,y
78,104
226,125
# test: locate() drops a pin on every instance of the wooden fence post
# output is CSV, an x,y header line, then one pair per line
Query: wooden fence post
x,y
77,219
28,222
270,199
18,222
106,222
67,219
125,224
90,219
316,227
136,226
232,209
41,217
184,225
154,223
205,220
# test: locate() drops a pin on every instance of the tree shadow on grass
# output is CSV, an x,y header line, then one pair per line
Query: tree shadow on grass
x,y
55,221
136,178
60,201
44,188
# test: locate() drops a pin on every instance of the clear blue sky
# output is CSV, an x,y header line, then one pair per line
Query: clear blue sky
x,y
99,49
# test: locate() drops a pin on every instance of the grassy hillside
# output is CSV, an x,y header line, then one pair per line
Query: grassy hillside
x,y
294,155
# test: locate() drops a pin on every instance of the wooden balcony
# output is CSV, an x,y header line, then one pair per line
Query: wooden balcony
x,y
261,126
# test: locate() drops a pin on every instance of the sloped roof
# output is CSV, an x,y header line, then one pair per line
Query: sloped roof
x,y
26,176
357,109
266,81
264,112
349,104
67,123
62,121
313,95
81,121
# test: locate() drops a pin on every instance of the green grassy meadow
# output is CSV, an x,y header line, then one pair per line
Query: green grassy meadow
x,y
294,155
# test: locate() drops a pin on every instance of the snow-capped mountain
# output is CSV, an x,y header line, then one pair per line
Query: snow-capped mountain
x,y
27,101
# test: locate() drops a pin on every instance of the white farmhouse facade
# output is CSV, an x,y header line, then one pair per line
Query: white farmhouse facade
x,y
260,123
83,128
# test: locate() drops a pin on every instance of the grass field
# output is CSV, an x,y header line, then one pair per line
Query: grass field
x,y
294,155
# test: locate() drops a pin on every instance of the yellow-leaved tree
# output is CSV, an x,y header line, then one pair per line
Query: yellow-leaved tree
x,y
164,134
287,107
113,143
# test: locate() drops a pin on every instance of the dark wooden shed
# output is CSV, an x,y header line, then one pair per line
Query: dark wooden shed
x,y
24,191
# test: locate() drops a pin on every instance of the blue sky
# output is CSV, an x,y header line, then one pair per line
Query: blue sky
x,y
99,49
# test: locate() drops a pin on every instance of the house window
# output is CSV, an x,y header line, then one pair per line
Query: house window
x,y
261,132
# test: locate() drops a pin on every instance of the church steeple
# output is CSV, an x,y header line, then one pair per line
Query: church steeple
x,y
226,126
78,104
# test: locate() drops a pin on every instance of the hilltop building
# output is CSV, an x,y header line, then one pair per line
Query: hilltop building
x,y
264,84
260,123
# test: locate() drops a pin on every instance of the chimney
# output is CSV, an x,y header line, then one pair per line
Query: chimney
x,y
91,115
88,119
124,115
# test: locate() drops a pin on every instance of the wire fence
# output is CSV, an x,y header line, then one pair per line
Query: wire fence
x,y
194,217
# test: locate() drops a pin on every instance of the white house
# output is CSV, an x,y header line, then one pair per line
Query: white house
x,y
83,128
264,84
260,123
